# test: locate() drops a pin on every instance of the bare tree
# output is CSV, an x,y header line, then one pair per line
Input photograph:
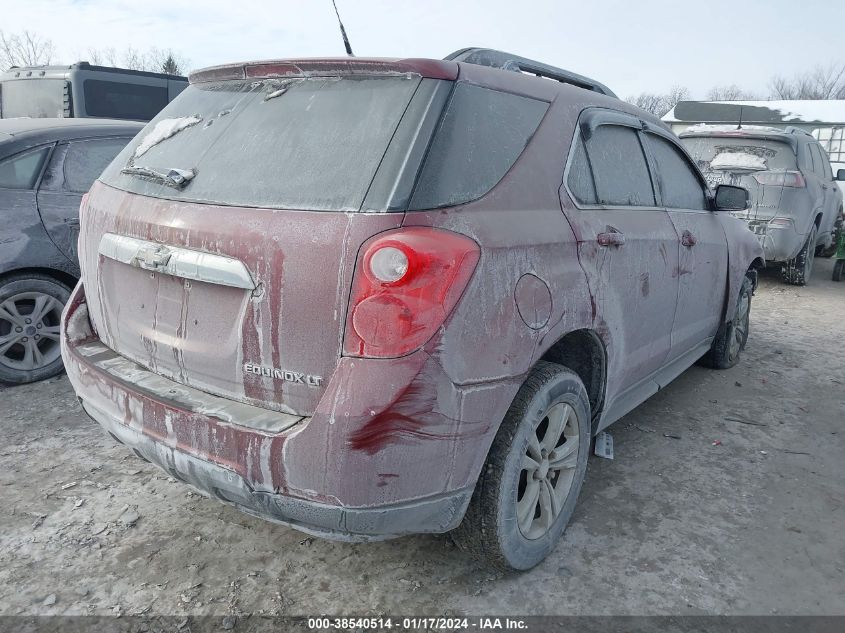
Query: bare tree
x,y
103,57
134,60
649,102
729,93
660,104
24,49
676,94
167,61
155,59
822,82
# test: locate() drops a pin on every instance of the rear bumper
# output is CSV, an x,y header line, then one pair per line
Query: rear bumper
x,y
361,471
779,245
438,514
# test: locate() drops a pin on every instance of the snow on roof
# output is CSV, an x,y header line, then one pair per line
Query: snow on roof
x,y
776,112
708,127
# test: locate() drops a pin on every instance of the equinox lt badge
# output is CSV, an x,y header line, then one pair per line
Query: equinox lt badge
x,y
281,374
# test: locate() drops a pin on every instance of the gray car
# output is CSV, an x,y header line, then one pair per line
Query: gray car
x,y
46,165
795,201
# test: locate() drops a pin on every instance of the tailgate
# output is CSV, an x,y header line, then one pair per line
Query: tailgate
x,y
248,304
764,199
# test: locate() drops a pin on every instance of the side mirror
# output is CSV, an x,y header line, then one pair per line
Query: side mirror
x,y
730,198
840,174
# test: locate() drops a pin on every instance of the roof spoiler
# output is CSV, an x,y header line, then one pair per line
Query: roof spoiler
x,y
791,129
764,133
508,61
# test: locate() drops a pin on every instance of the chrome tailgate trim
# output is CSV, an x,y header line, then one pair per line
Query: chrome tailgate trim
x,y
176,261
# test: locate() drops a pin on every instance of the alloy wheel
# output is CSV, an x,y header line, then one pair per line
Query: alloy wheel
x,y
548,470
740,324
29,330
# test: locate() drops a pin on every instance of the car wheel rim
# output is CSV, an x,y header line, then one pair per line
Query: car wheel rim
x,y
740,325
29,330
548,470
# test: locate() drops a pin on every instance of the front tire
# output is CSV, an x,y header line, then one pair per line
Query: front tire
x,y
732,337
839,270
30,315
527,490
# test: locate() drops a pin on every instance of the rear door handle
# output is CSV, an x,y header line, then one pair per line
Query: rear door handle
x,y
611,237
688,239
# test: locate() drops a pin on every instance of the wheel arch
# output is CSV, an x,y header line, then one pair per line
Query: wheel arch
x,y
757,264
59,275
583,352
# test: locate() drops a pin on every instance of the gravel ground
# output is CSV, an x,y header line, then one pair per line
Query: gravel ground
x,y
727,495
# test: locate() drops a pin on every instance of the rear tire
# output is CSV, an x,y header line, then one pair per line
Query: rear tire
x,y
527,490
797,271
732,336
839,270
30,311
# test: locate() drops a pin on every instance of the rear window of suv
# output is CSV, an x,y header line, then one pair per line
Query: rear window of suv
x,y
746,153
316,143
296,144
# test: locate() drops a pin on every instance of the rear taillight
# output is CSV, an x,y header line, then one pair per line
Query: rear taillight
x,y
406,283
781,223
782,178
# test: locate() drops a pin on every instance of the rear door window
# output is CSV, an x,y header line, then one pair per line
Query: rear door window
x,y
22,170
679,185
86,160
619,165
480,137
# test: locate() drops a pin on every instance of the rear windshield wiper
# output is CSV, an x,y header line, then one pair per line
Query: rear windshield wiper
x,y
176,178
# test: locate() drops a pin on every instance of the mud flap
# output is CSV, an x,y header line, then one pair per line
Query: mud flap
x,y
604,445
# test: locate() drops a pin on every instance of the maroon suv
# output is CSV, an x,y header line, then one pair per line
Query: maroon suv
x,y
368,297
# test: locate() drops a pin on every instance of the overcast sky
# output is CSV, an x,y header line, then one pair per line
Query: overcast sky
x,y
632,46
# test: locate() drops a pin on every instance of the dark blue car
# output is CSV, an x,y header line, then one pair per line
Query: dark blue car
x,y
46,165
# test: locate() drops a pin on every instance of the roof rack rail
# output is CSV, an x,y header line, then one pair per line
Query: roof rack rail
x,y
508,61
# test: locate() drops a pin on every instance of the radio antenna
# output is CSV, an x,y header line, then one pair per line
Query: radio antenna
x,y
343,31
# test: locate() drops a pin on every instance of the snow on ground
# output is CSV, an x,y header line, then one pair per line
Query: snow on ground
x,y
725,496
